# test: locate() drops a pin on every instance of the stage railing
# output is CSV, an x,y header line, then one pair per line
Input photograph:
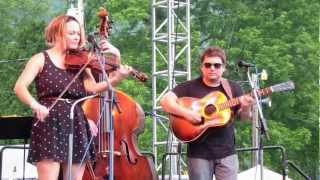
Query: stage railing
x,y
284,159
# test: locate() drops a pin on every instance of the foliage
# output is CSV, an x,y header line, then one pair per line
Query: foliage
x,y
279,36
22,25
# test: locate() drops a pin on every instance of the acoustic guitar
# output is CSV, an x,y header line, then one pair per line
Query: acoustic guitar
x,y
215,111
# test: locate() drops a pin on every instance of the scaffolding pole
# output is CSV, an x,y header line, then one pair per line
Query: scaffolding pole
x,y
170,64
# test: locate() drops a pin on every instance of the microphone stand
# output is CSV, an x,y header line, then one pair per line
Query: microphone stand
x,y
263,129
110,120
109,101
70,137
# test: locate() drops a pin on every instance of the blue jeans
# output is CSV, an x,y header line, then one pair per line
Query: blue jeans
x,y
223,169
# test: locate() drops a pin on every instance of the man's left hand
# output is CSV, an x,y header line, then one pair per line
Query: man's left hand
x,y
246,101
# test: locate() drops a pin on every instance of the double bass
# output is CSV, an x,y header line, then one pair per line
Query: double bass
x,y
128,123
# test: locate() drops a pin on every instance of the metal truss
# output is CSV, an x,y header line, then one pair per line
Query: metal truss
x,y
170,64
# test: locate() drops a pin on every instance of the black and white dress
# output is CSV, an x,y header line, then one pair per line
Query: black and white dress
x,y
49,139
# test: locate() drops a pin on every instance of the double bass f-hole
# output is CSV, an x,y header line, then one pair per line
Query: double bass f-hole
x,y
125,148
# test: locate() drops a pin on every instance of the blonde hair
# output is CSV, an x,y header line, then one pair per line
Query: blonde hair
x,y
56,30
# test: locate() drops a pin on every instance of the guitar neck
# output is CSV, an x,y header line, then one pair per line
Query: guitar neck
x,y
235,101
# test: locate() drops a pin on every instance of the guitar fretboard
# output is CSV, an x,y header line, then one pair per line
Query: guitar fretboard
x,y
235,101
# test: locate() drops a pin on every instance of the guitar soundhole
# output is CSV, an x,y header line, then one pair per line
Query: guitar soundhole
x,y
210,109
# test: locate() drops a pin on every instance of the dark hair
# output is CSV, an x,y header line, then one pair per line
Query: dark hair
x,y
214,52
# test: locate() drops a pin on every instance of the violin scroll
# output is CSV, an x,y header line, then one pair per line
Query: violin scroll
x,y
139,75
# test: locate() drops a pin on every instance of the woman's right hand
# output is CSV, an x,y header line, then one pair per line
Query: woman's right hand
x,y
39,110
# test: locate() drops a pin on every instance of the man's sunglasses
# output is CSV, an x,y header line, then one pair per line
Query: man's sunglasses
x,y
215,65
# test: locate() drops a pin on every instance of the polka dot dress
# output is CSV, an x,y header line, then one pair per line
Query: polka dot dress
x,y
49,139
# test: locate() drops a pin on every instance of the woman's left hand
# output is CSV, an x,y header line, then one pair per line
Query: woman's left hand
x,y
93,127
120,74
124,71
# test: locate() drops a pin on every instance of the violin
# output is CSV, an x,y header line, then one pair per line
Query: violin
x,y
78,59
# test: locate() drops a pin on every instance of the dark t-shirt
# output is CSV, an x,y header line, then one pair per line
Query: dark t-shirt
x,y
217,142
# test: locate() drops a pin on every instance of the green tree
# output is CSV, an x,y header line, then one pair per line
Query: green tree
x,y
281,37
22,25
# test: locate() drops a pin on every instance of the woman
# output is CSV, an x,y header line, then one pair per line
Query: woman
x,y
49,137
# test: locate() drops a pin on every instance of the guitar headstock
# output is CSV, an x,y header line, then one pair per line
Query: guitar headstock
x,y
286,86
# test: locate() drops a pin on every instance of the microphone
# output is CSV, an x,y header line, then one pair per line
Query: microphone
x,y
242,63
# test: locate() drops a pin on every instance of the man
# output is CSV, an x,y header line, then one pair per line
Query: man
x,y
213,153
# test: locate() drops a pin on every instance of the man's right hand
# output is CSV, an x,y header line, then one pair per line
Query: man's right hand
x,y
170,105
192,116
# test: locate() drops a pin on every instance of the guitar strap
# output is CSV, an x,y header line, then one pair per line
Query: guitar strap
x,y
227,88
